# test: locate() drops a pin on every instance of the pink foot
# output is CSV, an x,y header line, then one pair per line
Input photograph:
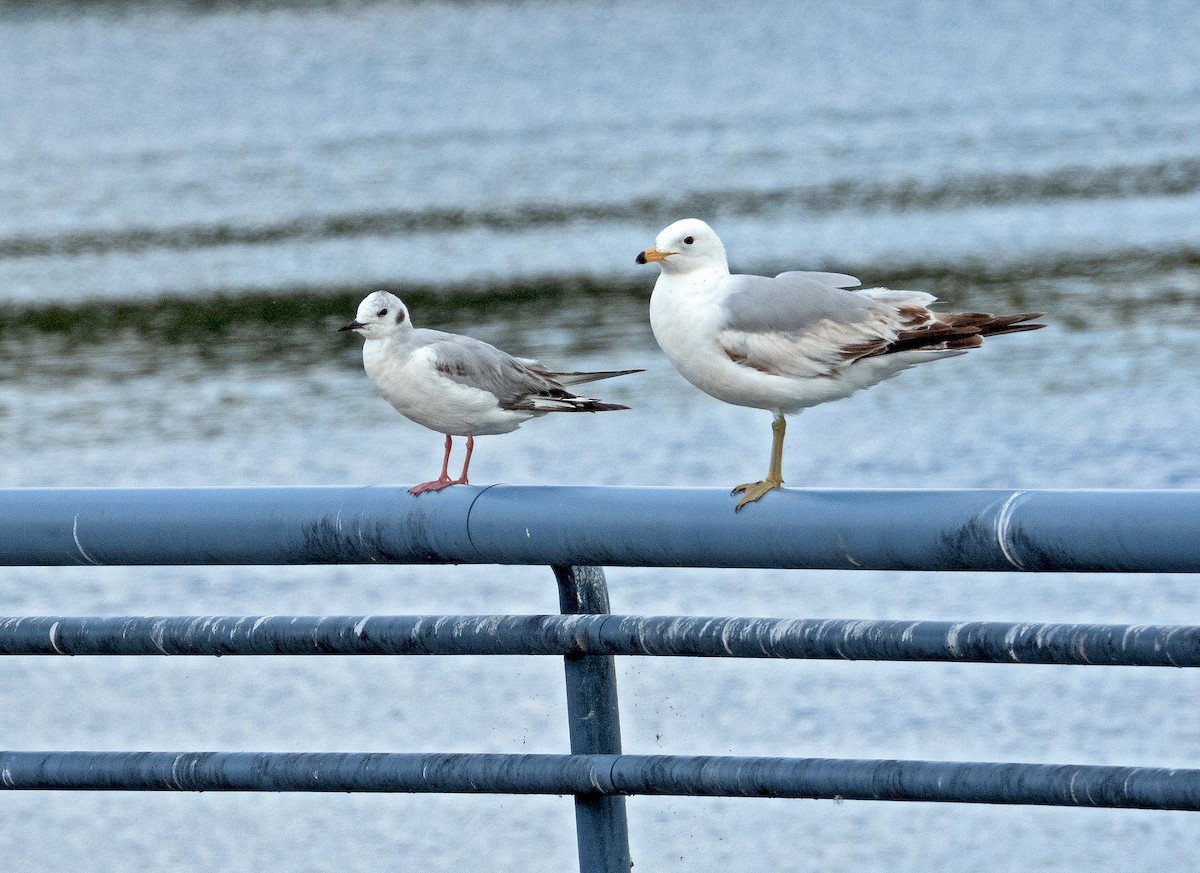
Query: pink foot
x,y
436,485
444,480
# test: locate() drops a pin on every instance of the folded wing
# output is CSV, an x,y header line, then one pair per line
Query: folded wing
x,y
806,325
517,383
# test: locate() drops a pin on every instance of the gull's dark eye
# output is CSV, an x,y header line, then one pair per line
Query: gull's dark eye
x,y
688,240
381,313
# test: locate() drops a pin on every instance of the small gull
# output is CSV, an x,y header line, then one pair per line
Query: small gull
x,y
457,385
794,341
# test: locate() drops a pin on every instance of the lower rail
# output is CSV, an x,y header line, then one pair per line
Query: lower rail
x,y
602,634
583,775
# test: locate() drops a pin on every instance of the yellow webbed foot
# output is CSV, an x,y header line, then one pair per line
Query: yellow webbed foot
x,y
752,491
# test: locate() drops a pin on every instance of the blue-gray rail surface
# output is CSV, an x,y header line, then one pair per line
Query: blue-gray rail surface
x,y
606,776
1081,531
988,642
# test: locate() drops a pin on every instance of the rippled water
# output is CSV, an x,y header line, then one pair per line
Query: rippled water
x,y
195,196
430,142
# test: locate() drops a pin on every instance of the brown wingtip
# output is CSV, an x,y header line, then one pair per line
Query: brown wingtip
x,y
1012,324
1015,328
955,330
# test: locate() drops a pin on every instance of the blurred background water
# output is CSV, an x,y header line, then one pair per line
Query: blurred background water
x,y
194,196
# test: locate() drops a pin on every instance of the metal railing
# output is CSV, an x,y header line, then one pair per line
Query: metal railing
x,y
576,531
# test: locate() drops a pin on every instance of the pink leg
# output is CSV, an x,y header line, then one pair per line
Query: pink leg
x,y
442,481
462,480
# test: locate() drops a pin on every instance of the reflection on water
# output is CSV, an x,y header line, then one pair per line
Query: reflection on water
x,y
197,195
1167,178
584,315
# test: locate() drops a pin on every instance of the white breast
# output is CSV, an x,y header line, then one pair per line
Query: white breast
x,y
686,320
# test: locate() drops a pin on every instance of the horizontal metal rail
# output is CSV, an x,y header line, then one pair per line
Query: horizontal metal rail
x,y
1040,784
1087,531
891,640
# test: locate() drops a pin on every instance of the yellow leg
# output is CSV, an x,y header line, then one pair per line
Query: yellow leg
x,y
753,491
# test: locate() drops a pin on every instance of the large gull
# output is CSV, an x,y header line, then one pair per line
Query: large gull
x,y
457,385
796,340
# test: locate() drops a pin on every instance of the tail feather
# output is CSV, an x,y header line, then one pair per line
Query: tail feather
x,y
539,403
597,406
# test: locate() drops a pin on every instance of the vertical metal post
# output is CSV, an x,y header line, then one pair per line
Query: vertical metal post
x,y
601,827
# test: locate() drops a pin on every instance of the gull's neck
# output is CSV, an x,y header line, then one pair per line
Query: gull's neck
x,y
696,277
396,342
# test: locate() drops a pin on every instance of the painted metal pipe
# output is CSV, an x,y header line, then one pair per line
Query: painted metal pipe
x,y
957,782
1084,531
591,635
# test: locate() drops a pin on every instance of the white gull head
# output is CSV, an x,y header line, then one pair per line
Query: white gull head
x,y
687,246
379,316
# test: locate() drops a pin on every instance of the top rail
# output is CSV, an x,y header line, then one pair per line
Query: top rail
x,y
1037,530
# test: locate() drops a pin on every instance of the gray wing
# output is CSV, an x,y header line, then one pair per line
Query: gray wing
x,y
792,302
474,363
517,383
837,280
805,325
